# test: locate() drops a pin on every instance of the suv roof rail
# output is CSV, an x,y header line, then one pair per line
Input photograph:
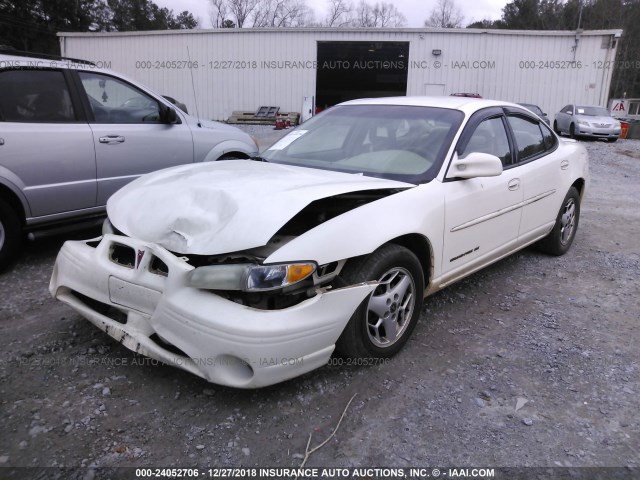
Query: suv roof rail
x,y
4,50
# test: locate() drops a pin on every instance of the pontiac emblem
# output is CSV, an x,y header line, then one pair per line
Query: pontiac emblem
x,y
139,258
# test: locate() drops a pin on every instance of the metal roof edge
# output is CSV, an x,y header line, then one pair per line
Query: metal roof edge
x,y
309,30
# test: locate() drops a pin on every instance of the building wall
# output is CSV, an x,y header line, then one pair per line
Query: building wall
x,y
242,69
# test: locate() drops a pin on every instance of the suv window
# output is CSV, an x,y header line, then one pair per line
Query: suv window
x,y
528,136
35,96
115,101
490,137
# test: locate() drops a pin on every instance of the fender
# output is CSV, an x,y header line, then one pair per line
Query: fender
x,y
228,146
362,230
13,183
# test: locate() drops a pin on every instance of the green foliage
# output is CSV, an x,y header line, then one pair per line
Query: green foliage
x,y
31,25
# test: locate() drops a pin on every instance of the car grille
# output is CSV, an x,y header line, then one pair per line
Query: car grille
x,y
125,256
122,255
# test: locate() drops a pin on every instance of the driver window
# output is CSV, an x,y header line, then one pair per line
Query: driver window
x,y
114,101
490,137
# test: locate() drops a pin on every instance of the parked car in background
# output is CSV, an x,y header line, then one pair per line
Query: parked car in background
x,y
538,111
248,273
468,95
587,121
72,134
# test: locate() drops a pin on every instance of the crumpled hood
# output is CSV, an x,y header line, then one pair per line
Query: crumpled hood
x,y
225,206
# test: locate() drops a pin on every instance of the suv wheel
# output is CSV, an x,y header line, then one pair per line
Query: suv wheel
x,y
9,234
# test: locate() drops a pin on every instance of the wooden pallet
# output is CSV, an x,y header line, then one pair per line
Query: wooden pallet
x,y
249,118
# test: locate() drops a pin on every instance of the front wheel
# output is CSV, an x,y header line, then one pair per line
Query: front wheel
x,y
383,323
611,140
9,234
561,237
555,128
572,131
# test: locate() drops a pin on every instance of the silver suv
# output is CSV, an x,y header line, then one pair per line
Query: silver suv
x,y
72,134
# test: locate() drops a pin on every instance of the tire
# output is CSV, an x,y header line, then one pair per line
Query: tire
x,y
572,131
561,237
611,140
398,299
555,128
10,231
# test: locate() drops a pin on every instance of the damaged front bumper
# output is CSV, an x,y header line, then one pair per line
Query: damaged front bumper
x,y
212,337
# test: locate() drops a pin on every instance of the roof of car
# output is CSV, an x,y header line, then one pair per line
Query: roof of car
x,y
466,104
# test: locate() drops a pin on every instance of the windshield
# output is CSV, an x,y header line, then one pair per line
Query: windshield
x,y
593,111
396,142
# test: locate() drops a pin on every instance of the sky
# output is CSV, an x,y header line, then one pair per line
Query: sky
x,y
416,11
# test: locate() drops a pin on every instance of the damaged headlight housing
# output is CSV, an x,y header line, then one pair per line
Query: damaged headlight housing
x,y
249,277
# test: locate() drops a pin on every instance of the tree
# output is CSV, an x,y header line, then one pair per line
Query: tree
x,y
241,10
130,15
378,15
445,14
339,13
31,25
282,13
219,14
184,21
486,24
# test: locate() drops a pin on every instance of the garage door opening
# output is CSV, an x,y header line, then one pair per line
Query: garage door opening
x,y
348,70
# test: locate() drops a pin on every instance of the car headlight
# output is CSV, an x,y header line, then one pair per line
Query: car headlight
x,y
583,123
250,278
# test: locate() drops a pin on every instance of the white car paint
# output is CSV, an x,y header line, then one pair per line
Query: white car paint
x,y
236,207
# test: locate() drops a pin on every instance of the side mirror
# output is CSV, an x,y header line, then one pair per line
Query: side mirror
x,y
475,165
544,114
168,115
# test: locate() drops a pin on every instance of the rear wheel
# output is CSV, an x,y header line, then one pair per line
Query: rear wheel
x,y
383,323
561,237
9,234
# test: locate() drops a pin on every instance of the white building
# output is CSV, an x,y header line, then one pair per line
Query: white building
x,y
243,69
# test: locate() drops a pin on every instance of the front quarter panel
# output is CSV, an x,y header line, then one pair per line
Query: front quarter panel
x,y
418,210
226,147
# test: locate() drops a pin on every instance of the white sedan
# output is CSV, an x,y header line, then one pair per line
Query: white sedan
x,y
248,273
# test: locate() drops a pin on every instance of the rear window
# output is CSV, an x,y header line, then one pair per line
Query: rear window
x,y
35,96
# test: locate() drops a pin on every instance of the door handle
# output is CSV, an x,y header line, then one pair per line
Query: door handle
x,y
110,139
564,164
514,184
1,141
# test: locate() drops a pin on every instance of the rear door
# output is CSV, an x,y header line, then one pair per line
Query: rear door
x,y
129,136
48,145
541,168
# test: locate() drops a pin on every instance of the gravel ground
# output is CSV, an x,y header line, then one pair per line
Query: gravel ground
x,y
531,362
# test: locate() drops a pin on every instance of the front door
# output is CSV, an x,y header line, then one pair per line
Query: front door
x,y
130,138
482,215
